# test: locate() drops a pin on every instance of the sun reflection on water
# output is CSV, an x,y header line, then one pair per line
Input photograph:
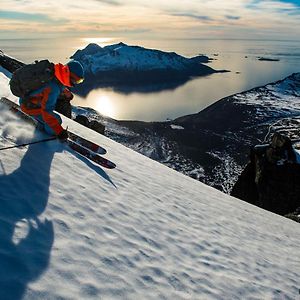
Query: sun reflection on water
x,y
105,106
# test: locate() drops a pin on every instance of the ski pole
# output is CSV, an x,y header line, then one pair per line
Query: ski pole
x,y
31,143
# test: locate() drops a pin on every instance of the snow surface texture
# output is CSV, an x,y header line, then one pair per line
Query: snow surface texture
x,y
71,230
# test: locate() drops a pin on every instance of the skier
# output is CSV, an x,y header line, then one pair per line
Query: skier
x,y
41,103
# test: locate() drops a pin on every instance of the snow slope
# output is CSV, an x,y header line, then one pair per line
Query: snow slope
x,y
71,230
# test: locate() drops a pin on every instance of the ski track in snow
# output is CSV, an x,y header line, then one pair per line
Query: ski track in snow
x,y
71,230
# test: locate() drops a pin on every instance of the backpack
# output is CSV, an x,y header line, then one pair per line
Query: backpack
x,y
31,77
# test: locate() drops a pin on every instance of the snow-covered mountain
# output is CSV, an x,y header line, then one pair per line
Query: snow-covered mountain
x,y
121,65
71,230
121,56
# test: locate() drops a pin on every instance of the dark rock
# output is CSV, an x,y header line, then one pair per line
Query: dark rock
x,y
83,120
268,59
245,188
93,124
280,149
295,216
271,179
97,126
9,63
201,59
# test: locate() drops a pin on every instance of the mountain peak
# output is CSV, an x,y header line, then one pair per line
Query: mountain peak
x,y
121,44
92,47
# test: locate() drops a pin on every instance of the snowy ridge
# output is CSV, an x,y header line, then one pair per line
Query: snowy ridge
x,y
274,100
121,56
276,106
69,229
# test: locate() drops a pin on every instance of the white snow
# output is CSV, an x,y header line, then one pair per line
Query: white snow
x,y
4,85
173,126
276,99
72,230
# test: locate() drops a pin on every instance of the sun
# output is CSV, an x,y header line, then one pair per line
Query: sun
x,y
104,41
105,106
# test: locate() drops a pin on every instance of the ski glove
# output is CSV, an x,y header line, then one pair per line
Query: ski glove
x,y
63,136
66,95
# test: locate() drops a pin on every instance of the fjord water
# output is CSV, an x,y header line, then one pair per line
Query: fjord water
x,y
238,56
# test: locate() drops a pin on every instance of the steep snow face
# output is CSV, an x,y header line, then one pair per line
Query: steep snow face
x,y
119,56
69,229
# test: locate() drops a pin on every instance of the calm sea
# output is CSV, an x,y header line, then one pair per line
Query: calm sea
x,y
238,56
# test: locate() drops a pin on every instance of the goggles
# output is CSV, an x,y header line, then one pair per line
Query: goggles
x,y
75,79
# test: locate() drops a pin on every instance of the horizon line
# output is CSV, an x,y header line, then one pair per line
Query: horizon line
x,y
183,39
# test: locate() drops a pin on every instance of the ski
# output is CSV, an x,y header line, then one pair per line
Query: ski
x,y
98,159
74,145
86,143
72,136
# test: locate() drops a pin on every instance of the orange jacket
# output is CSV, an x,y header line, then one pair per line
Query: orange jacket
x,y
41,103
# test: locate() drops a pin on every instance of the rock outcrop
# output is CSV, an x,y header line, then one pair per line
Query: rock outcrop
x,y
271,179
93,124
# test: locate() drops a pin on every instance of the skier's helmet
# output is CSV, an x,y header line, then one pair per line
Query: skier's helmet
x,y
76,72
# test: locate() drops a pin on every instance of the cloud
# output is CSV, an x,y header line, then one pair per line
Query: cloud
x,y
29,17
232,17
110,2
148,19
193,16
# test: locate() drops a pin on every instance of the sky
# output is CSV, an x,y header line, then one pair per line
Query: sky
x,y
155,19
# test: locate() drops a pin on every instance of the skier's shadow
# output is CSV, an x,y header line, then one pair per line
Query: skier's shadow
x,y
97,169
23,196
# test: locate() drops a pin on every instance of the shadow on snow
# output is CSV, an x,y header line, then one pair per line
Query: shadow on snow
x,y
24,195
